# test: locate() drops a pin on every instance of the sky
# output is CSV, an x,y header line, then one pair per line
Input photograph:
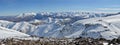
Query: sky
x,y
16,7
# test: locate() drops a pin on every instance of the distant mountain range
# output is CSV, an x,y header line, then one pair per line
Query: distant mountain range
x,y
65,24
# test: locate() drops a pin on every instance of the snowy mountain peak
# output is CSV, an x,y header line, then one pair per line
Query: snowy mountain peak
x,y
27,14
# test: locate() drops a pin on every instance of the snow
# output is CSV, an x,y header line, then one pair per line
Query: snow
x,y
2,44
105,43
8,33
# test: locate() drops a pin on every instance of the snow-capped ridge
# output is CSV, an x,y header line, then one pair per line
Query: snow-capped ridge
x,y
27,14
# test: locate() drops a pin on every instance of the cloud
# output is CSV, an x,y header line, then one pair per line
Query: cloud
x,y
109,9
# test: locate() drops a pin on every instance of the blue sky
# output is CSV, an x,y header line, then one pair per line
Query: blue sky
x,y
15,7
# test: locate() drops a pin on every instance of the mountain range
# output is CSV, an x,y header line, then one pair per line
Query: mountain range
x,y
64,24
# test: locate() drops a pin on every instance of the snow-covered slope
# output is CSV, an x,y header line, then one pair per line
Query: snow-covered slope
x,y
105,27
8,33
67,24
